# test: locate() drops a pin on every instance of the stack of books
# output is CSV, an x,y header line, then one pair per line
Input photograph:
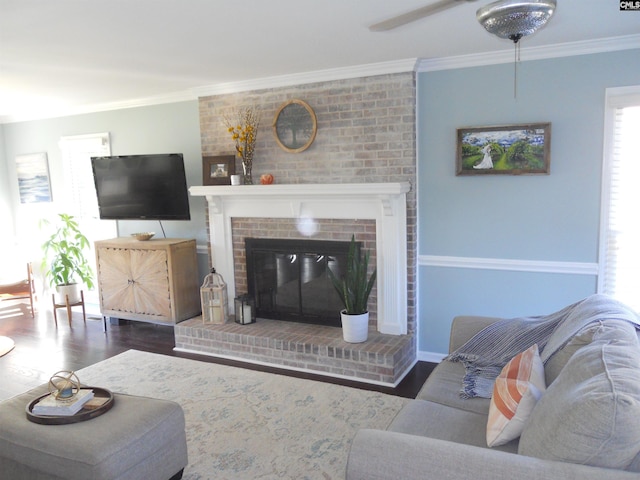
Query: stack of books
x,y
50,405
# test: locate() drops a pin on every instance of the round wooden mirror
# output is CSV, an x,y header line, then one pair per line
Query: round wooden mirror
x,y
295,126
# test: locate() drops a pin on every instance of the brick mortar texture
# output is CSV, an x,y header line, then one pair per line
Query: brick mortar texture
x,y
366,134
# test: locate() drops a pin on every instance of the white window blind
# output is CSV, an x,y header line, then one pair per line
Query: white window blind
x,y
76,157
620,231
80,197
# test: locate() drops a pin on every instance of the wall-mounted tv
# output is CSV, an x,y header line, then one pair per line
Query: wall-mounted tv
x,y
141,187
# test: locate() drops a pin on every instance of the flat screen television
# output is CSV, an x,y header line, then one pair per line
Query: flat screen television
x,y
141,187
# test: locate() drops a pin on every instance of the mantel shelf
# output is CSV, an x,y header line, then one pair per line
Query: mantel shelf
x,y
302,189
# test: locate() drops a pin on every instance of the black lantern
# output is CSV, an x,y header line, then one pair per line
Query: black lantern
x,y
245,309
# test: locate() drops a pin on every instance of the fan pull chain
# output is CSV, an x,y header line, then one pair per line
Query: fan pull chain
x,y
516,60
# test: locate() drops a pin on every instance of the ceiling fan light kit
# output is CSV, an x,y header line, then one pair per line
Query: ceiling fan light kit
x,y
509,19
514,19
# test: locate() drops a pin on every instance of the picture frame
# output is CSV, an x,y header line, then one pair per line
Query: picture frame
x,y
34,185
295,126
217,170
522,149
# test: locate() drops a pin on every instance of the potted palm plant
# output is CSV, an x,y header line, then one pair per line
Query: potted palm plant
x,y
65,263
354,288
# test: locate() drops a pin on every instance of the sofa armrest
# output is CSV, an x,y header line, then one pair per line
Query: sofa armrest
x,y
384,455
464,327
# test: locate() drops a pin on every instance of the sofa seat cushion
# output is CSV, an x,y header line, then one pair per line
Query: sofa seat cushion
x,y
434,420
591,413
444,385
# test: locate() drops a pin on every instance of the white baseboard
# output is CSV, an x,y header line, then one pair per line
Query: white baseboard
x,y
431,357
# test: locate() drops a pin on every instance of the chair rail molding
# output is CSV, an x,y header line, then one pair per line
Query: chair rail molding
x,y
572,268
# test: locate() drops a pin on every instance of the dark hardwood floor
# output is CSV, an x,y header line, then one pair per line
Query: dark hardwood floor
x,y
42,349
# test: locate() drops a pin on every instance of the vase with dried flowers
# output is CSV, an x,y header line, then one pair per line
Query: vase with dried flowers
x,y
243,127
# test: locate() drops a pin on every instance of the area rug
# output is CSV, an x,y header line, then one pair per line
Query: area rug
x,y
6,345
245,424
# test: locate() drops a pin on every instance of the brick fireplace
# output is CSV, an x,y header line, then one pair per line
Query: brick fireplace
x,y
366,136
390,351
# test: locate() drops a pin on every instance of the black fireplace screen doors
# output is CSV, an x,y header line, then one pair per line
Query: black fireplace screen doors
x,y
289,279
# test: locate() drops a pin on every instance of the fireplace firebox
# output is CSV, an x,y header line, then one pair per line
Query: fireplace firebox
x,y
289,281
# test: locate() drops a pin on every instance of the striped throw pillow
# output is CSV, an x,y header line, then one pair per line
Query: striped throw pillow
x,y
515,393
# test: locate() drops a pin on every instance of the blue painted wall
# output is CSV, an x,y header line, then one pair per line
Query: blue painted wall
x,y
166,128
540,218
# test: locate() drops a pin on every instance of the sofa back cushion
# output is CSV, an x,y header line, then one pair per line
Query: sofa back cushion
x,y
591,413
554,365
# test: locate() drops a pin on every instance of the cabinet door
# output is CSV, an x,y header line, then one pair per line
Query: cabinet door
x,y
150,282
114,268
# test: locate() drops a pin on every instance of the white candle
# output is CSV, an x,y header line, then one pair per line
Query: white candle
x,y
214,310
246,314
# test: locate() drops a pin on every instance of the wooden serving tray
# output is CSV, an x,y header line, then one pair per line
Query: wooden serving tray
x,y
83,415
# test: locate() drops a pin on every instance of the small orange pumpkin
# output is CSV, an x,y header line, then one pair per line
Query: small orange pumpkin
x,y
266,179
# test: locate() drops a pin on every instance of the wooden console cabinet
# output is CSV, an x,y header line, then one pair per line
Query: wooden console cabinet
x,y
153,281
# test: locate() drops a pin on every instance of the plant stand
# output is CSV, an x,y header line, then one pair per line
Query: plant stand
x,y
68,307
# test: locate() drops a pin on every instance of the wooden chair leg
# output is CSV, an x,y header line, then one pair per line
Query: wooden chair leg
x,y
84,315
32,288
55,315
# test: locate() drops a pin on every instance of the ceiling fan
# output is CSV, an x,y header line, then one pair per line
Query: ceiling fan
x,y
512,19
414,15
508,19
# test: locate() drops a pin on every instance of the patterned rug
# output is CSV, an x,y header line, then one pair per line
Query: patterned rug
x,y
244,424
6,345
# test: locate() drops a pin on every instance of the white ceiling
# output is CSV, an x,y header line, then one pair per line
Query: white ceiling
x,y
64,56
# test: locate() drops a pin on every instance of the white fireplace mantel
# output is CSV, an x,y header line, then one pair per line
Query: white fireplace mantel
x,y
383,202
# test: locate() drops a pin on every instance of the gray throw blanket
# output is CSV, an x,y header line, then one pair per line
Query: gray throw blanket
x,y
485,354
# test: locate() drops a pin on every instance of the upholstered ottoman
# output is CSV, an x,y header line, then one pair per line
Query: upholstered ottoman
x,y
139,438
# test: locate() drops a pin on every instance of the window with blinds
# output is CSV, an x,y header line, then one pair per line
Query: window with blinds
x,y
80,197
620,230
76,157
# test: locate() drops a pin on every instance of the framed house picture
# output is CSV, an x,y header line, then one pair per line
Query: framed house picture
x,y
33,178
217,170
504,150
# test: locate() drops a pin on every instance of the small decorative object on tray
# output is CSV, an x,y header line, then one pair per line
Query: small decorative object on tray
x,y
143,236
88,403
64,384
65,396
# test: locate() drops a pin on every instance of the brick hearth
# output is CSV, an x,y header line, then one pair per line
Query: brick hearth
x,y
382,359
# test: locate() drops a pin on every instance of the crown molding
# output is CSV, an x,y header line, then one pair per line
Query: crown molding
x,y
173,97
333,74
328,75
600,45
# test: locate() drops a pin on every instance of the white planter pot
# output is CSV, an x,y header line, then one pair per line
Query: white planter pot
x,y
73,291
355,328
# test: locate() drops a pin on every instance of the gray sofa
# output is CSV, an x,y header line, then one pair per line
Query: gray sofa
x,y
586,425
